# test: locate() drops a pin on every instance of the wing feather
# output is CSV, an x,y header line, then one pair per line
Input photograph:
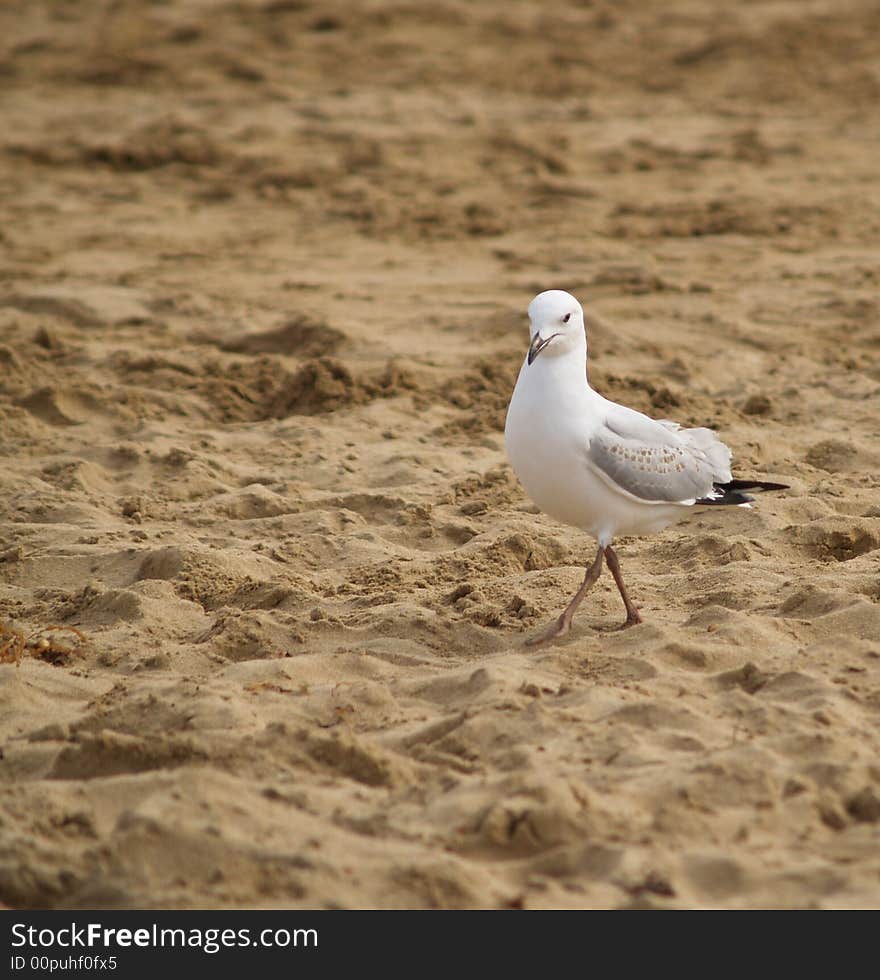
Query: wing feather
x,y
657,461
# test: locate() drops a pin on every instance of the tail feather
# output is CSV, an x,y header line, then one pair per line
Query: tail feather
x,y
733,492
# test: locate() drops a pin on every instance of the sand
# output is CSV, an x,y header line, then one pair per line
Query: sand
x,y
264,275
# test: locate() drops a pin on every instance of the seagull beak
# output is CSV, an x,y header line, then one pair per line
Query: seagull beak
x,y
538,344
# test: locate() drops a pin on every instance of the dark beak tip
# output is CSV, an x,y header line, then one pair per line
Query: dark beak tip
x,y
536,347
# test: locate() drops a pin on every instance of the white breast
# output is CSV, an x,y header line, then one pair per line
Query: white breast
x,y
547,436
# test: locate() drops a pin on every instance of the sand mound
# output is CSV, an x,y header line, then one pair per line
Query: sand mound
x,y
264,570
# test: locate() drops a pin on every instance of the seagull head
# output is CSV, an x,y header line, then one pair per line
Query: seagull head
x,y
556,324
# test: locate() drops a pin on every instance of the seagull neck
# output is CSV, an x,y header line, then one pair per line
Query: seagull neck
x,y
566,372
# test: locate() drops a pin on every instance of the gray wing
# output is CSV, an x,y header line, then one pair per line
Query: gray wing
x,y
657,461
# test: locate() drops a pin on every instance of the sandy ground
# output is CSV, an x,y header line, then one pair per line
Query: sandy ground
x,y
264,274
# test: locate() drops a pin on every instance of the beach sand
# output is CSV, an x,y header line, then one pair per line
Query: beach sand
x,y
263,276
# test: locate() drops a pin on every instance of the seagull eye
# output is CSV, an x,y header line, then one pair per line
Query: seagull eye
x,y
566,318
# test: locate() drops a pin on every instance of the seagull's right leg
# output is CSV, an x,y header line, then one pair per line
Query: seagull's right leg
x,y
560,626
632,614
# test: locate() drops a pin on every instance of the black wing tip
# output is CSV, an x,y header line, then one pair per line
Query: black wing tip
x,y
759,486
730,498
732,493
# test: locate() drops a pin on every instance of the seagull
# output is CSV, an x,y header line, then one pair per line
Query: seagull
x,y
599,466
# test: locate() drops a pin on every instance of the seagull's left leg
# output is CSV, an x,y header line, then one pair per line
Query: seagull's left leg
x,y
559,627
632,614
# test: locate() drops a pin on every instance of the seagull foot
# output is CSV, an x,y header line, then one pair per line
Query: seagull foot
x,y
632,619
559,627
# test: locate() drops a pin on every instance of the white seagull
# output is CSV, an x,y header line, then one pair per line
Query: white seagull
x,y
597,465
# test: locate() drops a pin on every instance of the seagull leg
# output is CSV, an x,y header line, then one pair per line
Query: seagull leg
x,y
632,614
560,626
